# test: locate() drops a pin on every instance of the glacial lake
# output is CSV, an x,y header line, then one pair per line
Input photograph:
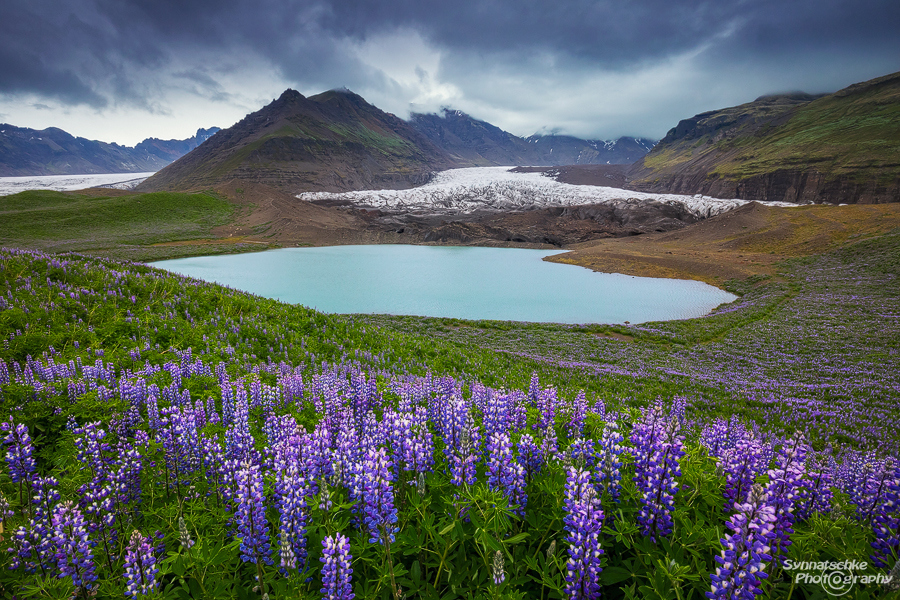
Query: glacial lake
x,y
508,284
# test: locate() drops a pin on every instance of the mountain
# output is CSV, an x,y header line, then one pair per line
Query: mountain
x,y
558,150
52,151
334,141
483,144
470,140
841,148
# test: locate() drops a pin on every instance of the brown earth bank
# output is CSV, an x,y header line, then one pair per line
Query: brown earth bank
x,y
738,244
265,214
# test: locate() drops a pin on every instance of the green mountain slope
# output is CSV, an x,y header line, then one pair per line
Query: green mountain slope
x,y
333,141
842,147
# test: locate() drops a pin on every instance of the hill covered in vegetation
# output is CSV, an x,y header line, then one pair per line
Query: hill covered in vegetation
x,y
838,148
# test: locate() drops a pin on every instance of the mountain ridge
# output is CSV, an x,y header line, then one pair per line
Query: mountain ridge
x,y
53,151
484,144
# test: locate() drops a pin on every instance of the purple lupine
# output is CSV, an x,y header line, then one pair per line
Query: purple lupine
x,y
714,437
575,426
506,474
814,495
337,575
747,551
608,474
291,493
34,544
125,476
495,415
784,481
886,522
583,521
19,453
92,449
379,513
655,479
250,515
140,567
239,444
73,548
583,452
741,464
530,456
464,445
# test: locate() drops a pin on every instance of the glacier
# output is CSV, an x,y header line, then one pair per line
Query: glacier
x,y
497,189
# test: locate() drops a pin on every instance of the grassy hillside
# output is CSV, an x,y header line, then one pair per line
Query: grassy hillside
x,y
849,141
119,222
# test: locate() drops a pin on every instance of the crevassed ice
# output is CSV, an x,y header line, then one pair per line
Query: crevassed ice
x,y
497,188
62,183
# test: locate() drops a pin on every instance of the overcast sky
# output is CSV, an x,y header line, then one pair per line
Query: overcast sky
x,y
123,70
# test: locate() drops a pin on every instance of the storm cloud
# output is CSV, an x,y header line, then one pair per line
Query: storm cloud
x,y
127,69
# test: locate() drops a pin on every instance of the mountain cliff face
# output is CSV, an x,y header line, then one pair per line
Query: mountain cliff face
x,y
482,144
52,151
334,141
839,148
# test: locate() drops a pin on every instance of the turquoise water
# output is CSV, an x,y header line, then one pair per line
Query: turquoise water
x,y
509,284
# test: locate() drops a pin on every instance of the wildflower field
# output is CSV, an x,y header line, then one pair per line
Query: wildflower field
x,y
169,438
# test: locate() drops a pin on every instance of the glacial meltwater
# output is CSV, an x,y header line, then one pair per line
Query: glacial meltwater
x,y
509,284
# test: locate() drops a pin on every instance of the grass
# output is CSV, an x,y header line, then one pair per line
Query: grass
x,y
65,221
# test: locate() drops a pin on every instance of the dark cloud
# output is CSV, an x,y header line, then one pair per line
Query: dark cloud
x,y
114,53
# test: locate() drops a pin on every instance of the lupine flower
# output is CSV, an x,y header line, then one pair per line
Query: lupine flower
x,y
140,567
746,551
250,514
609,466
575,426
655,477
184,536
741,464
583,522
34,544
530,456
886,522
378,497
337,576
18,452
498,568
291,493
465,445
583,453
504,473
73,548
814,495
784,481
